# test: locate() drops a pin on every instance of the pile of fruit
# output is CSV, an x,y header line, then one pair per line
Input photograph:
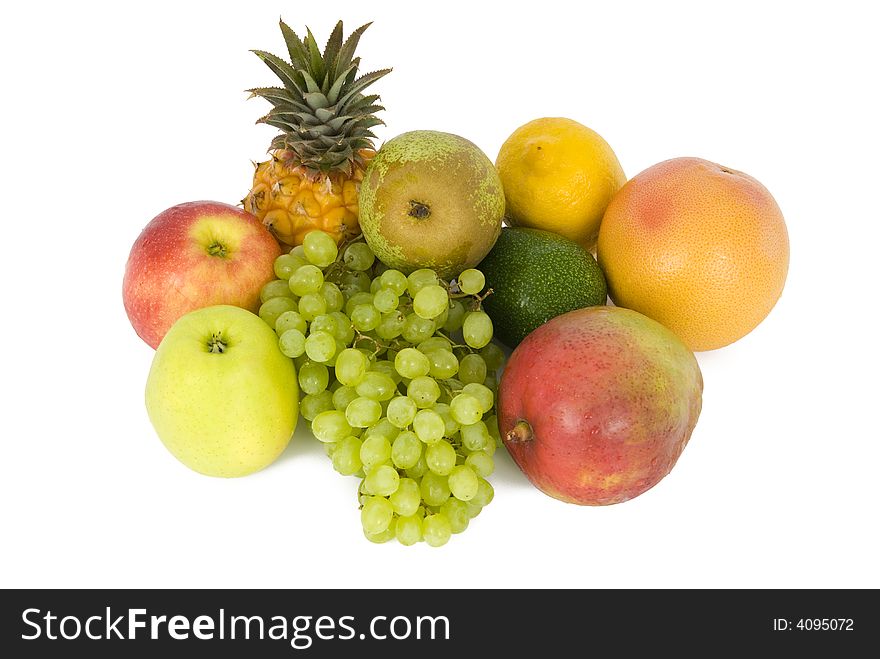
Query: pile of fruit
x,y
362,290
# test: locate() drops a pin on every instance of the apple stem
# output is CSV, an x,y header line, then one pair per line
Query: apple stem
x,y
521,432
216,345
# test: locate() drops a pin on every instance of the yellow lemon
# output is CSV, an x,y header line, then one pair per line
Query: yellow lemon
x,y
558,175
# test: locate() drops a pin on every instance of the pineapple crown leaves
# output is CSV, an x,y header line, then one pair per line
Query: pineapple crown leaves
x,y
321,109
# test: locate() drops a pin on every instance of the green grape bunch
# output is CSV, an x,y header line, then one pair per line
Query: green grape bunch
x,y
399,376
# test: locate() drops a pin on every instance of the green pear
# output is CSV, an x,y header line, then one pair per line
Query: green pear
x,y
222,397
431,200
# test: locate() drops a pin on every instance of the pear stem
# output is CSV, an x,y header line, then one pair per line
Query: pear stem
x,y
419,210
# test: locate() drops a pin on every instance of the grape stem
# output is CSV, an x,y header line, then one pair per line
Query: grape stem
x,y
379,347
453,343
478,299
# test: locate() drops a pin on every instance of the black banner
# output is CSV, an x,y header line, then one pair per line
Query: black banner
x,y
314,623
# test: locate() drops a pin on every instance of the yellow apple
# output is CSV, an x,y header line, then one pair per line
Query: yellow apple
x,y
221,396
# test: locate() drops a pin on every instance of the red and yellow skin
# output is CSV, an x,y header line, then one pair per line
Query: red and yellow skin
x,y
596,405
195,255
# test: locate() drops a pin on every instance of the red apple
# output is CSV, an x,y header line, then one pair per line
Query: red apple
x,y
596,405
191,256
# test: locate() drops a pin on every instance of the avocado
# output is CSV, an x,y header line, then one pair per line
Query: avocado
x,y
535,276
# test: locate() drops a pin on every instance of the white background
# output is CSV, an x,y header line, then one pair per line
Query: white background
x,y
111,113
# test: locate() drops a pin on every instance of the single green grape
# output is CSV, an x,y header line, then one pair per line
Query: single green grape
x,y
306,279
363,412
477,329
330,426
290,320
474,436
312,305
471,281
313,377
411,363
324,323
346,458
376,514
377,386
434,488
382,480
463,482
406,498
275,288
320,248
465,409
418,279
406,450
286,264
440,457
312,405
274,307
375,450
485,493
391,325
481,462
429,426
320,346
443,364
417,329
472,368
333,297
455,316
394,280
430,301
409,529
354,282
436,529
365,317
383,536
482,393
343,396
401,411
385,300
424,391
292,343
456,512
351,366
358,256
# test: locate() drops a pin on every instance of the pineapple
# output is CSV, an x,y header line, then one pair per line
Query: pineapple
x,y
317,162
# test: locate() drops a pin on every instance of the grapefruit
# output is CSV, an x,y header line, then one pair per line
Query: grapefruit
x,y
699,247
